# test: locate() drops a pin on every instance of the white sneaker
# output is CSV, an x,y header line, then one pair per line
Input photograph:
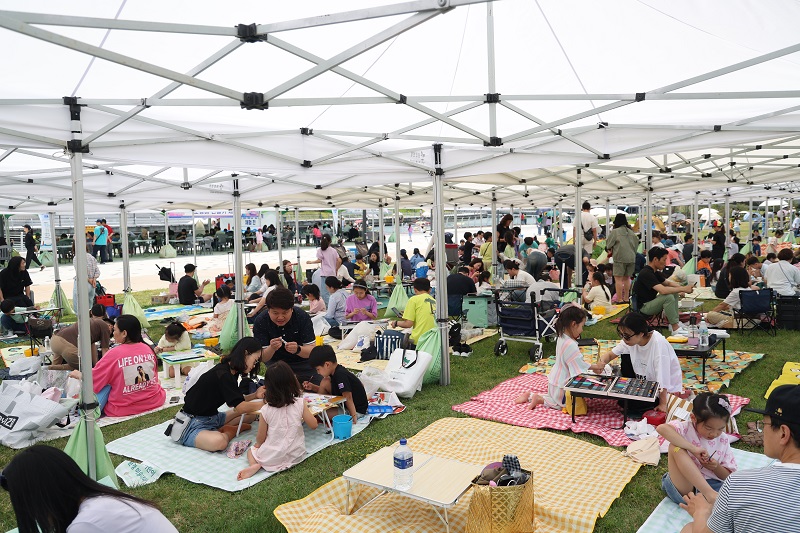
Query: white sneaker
x,y
680,332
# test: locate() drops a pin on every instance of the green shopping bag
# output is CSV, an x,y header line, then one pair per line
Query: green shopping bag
x,y
431,342
690,267
131,307
569,297
66,306
229,335
299,274
78,448
398,299
385,269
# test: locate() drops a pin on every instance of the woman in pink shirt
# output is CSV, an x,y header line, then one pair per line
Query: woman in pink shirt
x,y
125,379
329,263
361,305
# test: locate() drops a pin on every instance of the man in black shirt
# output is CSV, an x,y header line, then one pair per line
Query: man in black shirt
x,y
688,247
718,248
468,247
286,334
656,294
337,380
458,286
188,290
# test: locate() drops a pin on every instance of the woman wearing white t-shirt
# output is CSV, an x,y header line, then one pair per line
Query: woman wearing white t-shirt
x,y
644,354
49,492
722,315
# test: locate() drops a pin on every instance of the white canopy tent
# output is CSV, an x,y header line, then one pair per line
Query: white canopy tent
x,y
514,102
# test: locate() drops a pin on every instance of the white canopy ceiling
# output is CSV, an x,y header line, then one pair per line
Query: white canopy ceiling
x,y
527,98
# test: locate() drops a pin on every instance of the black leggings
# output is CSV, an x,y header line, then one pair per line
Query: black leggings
x,y
31,257
634,406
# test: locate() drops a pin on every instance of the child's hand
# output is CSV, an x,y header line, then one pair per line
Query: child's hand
x,y
711,464
701,454
260,392
158,349
597,368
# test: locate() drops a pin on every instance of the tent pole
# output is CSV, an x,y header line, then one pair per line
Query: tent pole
x,y
166,227
381,237
397,245
279,235
238,260
608,215
455,223
194,238
727,212
649,201
88,401
364,225
493,222
123,229
441,262
750,219
557,224
577,230
54,248
297,235
696,225
669,218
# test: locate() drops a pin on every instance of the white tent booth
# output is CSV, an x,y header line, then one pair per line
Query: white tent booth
x,y
152,106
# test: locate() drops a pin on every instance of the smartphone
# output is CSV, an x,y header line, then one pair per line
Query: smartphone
x,y
397,312
174,399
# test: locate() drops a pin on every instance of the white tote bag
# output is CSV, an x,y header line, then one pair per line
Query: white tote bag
x,y
25,416
406,379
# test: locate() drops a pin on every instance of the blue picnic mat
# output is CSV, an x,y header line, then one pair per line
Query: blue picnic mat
x,y
156,314
668,517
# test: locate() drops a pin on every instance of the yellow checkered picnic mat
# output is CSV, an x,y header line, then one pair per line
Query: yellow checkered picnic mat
x,y
350,359
574,482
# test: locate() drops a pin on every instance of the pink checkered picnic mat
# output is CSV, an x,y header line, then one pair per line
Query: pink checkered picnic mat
x,y
604,415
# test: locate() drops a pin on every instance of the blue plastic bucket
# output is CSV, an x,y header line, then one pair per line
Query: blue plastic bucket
x,y
422,271
342,427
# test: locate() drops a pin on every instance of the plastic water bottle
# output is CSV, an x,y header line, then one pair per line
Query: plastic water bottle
x,y
47,344
403,466
703,333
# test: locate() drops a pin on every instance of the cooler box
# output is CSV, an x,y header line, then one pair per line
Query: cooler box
x,y
107,300
219,281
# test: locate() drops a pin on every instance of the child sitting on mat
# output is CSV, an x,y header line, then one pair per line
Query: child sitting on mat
x,y
280,441
224,303
569,360
337,380
175,339
700,455
315,303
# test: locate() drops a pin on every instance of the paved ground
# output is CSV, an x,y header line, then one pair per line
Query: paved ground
x,y
144,273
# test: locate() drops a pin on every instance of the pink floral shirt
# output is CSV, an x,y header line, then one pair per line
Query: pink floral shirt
x,y
721,445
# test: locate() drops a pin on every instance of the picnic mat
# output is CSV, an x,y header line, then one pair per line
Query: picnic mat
x,y
718,373
13,353
562,469
15,339
485,335
668,517
603,418
57,432
158,313
212,469
610,311
350,359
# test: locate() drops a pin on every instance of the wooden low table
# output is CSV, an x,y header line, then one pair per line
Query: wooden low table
x,y
439,482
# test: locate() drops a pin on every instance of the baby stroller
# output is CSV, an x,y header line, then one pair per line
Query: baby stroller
x,y
518,321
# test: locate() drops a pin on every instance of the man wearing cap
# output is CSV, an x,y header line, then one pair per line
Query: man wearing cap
x,y
109,243
759,499
188,290
100,240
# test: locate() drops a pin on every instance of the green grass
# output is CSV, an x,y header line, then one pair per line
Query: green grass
x,y
251,510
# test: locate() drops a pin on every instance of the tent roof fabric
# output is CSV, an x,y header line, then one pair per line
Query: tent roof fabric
x,y
527,99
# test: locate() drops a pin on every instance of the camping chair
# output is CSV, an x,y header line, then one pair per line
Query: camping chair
x,y
208,244
756,312
363,249
654,321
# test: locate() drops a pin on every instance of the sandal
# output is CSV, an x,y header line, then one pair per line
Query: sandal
x,y
753,439
751,427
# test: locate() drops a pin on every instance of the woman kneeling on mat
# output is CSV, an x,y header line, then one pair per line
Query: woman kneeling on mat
x,y
569,360
645,354
125,379
208,428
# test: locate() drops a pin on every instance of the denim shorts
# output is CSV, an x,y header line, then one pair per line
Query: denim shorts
x,y
675,495
201,423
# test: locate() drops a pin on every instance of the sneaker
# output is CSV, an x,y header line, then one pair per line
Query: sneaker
x,y
680,332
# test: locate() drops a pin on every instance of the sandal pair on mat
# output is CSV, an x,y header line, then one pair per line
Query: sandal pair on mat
x,y
753,437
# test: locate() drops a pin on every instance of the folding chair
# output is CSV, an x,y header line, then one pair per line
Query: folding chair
x,y
756,312
654,321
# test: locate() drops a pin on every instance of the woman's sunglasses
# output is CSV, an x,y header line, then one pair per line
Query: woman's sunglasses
x,y
627,336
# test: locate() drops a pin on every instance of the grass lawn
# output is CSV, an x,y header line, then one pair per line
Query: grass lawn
x,y
187,505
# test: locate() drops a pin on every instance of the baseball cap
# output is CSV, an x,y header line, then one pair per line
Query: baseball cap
x,y
99,220
783,404
188,267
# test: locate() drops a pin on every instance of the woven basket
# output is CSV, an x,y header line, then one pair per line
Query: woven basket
x,y
501,509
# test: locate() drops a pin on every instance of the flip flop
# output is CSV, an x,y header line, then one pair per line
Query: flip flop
x,y
751,427
753,439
